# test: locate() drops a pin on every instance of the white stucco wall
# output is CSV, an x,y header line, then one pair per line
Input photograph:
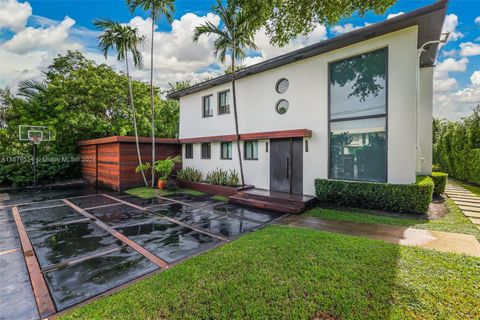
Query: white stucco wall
x,y
308,98
425,119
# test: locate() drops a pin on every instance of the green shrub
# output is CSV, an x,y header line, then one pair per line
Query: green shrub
x,y
436,167
222,177
190,174
474,166
439,182
414,197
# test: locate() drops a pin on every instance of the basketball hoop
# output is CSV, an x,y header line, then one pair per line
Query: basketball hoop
x,y
36,139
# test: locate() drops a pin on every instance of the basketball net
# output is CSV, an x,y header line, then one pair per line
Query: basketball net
x,y
36,139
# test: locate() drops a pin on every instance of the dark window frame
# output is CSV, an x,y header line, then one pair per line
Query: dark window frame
x,y
204,115
189,151
208,153
229,155
227,106
383,115
245,144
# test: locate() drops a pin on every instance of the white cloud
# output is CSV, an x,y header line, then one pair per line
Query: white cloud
x,y
393,15
475,78
14,15
450,25
450,53
341,29
457,104
441,77
477,20
53,37
452,65
468,49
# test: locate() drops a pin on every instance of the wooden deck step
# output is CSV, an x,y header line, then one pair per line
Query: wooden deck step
x,y
272,200
267,205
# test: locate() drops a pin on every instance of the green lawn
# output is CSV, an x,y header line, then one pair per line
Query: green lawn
x,y
454,221
146,193
290,273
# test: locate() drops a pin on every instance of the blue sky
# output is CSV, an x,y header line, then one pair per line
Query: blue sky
x,y
33,32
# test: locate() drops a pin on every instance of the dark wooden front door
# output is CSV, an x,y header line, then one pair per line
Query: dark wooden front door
x,y
286,165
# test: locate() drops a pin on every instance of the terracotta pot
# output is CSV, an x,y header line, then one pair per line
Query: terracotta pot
x,y
161,184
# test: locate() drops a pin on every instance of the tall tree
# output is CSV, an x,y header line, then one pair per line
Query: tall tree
x,y
124,39
157,9
234,39
287,19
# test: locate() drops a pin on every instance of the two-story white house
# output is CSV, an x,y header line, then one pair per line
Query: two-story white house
x,y
354,107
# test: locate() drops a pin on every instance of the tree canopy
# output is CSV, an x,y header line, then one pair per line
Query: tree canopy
x,y
287,19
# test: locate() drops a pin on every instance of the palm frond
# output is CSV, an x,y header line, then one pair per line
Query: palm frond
x,y
31,88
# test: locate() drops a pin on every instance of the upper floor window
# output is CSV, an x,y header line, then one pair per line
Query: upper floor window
x,y
358,117
189,151
226,150
207,110
206,150
224,102
251,150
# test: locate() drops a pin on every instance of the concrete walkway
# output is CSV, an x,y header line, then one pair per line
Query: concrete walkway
x,y
442,241
468,202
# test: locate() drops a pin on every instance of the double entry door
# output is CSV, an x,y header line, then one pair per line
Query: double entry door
x,y
286,165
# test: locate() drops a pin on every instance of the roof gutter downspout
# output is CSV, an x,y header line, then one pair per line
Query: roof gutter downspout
x,y
418,151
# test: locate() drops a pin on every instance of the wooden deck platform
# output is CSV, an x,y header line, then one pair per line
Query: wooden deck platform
x,y
273,200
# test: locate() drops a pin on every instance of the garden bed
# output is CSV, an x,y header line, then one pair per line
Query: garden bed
x,y
209,188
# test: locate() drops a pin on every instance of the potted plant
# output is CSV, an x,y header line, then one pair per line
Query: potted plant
x,y
163,167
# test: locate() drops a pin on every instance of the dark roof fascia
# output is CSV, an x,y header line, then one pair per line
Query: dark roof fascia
x,y
429,19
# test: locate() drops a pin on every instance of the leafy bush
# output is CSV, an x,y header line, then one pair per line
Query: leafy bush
x,y
414,197
222,177
439,182
163,167
456,147
20,174
190,174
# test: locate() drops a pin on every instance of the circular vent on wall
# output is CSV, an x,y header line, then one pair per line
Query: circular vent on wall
x,y
282,106
282,85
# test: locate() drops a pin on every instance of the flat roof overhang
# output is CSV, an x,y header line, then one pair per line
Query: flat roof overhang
x,y
429,20
295,133
128,139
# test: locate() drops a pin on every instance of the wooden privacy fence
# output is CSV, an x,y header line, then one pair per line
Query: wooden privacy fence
x,y
110,162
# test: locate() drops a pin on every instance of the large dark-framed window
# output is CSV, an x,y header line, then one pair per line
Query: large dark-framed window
x,y
251,150
224,102
207,109
226,151
358,95
188,151
206,150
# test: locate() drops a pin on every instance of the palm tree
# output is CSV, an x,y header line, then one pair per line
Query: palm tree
x,y
234,39
157,8
124,39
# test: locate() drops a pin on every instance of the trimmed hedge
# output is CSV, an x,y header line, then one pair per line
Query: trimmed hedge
x,y
414,197
439,182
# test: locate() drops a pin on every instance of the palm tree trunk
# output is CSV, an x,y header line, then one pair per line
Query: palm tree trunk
x,y
130,91
236,120
152,102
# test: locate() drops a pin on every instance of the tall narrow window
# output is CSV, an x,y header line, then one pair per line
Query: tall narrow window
x,y
206,150
189,151
226,150
207,110
251,150
224,102
358,117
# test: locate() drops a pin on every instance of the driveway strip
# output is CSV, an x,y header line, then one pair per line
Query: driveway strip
x,y
147,254
40,290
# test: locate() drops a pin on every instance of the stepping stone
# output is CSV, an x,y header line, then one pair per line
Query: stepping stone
x,y
459,193
463,198
467,203
472,214
475,220
470,208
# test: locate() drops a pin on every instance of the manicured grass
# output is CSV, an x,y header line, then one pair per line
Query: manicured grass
x,y
146,193
454,221
220,198
473,188
293,273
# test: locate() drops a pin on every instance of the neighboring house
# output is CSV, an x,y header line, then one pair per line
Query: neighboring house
x,y
344,108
